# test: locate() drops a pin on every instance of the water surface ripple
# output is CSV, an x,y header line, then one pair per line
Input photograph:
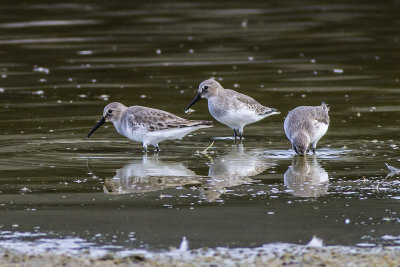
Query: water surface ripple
x,y
63,62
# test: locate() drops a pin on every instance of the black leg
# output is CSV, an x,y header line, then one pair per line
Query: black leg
x,y
313,150
235,134
158,148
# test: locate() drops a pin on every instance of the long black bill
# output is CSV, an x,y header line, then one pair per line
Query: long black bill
x,y
196,98
101,122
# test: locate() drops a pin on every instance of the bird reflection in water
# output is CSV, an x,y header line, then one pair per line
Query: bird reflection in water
x,y
232,169
150,174
306,178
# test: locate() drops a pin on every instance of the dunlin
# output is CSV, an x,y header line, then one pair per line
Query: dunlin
x,y
147,125
230,107
305,125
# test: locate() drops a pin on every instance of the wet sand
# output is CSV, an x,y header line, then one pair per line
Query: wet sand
x,y
63,61
268,255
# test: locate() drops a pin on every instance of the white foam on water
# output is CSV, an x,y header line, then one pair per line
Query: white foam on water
x,y
366,245
390,237
75,246
316,242
323,153
224,138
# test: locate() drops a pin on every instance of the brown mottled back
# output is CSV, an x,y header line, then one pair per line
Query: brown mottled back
x,y
155,119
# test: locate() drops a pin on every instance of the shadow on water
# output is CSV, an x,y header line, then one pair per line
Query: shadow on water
x,y
63,62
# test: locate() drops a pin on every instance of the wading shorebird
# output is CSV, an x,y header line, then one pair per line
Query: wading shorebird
x,y
231,108
305,125
147,125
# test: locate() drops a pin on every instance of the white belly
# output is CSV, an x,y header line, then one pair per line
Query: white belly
x,y
235,118
135,135
319,129
169,134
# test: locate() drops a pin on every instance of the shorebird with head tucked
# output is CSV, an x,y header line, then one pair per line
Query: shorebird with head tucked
x,y
147,125
231,108
305,125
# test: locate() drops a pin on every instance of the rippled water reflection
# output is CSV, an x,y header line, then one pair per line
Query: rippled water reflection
x,y
63,62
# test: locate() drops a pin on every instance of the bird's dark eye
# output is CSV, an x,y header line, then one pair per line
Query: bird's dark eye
x,y
109,111
205,87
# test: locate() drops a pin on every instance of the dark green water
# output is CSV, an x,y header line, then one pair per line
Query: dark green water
x,y
61,63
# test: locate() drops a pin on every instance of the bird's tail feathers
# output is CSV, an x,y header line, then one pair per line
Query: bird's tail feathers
x,y
325,107
193,123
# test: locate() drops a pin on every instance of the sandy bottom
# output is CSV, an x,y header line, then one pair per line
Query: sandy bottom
x,y
268,255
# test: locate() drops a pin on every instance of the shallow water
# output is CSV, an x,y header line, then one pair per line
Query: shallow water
x,y
63,62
